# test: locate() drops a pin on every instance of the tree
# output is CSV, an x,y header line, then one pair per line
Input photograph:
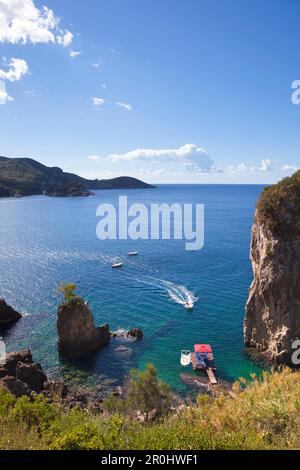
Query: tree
x,y
144,392
68,290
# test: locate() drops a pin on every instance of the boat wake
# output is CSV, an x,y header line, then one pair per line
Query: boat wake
x,y
175,292
179,294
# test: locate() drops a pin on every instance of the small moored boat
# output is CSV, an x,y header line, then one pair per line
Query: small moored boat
x,y
185,358
133,253
117,265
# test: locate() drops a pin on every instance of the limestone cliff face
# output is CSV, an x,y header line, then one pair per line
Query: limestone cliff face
x,y
77,334
272,320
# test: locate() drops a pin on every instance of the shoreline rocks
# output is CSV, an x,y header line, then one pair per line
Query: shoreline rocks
x,y
8,315
19,375
77,334
133,334
202,385
22,377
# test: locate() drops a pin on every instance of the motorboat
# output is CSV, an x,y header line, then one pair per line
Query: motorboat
x,y
133,253
188,305
185,358
117,265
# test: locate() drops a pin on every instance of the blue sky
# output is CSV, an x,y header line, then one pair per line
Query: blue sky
x,y
172,91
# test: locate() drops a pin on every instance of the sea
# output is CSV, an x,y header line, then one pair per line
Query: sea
x,y
48,241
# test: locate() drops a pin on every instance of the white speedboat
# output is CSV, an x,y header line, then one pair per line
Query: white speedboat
x,y
117,265
185,358
188,305
133,253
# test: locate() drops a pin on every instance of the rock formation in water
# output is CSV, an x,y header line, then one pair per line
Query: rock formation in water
x,y
77,334
7,314
272,319
133,334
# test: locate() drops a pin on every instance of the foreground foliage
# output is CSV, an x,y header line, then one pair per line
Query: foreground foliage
x,y
263,416
279,207
144,392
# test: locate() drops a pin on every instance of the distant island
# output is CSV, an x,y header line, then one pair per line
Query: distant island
x,y
26,177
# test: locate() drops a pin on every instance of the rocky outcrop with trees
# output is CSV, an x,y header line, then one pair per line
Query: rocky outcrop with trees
x,y
272,319
77,334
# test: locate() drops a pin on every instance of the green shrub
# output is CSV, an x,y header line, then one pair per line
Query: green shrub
x,y
144,392
279,207
68,291
260,414
7,401
35,412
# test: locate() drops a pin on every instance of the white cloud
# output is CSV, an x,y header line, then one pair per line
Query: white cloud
x,y
17,68
74,54
22,22
29,92
124,105
4,96
289,168
182,153
240,168
194,158
102,174
93,158
97,101
265,165
65,38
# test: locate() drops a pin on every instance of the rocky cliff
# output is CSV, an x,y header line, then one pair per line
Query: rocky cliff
x,y
272,320
77,334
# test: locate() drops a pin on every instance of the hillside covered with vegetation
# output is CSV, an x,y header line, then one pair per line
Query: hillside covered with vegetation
x,y
26,177
279,207
263,414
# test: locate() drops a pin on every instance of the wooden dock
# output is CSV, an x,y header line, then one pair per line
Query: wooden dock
x,y
209,370
212,378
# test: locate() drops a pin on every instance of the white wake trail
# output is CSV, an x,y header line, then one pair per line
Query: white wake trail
x,y
176,292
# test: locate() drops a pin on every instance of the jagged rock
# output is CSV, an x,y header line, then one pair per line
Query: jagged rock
x,y
31,374
136,333
77,334
272,320
20,376
7,314
55,389
13,358
15,386
3,372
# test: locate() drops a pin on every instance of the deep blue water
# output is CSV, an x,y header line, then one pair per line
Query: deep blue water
x,y
45,241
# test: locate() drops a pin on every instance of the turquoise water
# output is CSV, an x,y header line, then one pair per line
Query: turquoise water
x,y
45,241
